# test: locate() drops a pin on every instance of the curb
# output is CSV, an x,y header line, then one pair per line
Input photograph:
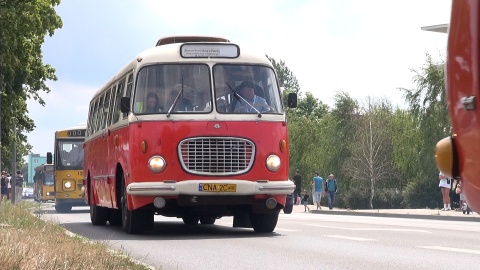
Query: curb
x,y
436,217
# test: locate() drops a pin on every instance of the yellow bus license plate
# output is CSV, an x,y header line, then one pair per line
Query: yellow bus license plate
x,y
217,187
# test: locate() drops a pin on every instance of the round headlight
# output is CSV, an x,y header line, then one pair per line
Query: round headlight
x,y
68,184
156,164
273,163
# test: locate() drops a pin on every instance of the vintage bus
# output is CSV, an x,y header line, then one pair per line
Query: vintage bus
x,y
458,156
43,184
68,149
192,128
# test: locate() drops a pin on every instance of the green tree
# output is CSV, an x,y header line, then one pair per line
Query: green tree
x,y
285,76
23,27
428,104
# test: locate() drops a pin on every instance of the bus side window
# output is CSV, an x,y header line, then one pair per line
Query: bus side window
x,y
128,92
116,105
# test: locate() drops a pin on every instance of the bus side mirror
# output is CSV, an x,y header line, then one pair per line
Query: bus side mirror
x,y
292,100
49,158
125,104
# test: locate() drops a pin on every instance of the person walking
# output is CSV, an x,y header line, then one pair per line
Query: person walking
x,y
305,200
444,186
297,179
317,187
331,190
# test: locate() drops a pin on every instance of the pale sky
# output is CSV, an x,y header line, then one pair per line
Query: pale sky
x,y
363,47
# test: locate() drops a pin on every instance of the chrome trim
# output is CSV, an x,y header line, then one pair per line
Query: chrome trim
x,y
217,156
191,187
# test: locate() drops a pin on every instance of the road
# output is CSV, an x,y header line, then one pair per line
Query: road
x,y
300,241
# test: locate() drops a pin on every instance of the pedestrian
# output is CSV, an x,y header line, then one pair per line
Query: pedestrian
x,y
297,179
331,190
444,185
3,186
9,186
18,186
317,187
305,200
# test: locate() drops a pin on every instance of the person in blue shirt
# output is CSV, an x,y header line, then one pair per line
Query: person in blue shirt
x,y
331,190
317,187
247,91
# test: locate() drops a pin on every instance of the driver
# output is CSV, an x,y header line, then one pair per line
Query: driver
x,y
247,91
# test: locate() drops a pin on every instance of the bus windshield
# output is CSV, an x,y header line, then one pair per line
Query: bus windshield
x,y
70,154
185,88
48,179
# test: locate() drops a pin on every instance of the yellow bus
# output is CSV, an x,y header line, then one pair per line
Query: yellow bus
x,y
43,185
68,149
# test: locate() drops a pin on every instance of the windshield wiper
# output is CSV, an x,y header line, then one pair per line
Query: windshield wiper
x,y
240,98
176,100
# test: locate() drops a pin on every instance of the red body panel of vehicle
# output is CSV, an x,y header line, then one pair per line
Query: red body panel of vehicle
x,y
162,138
463,86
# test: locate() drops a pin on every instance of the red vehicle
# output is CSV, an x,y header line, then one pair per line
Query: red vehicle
x,y
458,156
193,128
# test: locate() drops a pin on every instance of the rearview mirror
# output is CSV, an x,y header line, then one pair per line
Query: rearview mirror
x,y
49,158
125,104
292,100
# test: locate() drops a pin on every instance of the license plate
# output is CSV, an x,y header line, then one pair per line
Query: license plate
x,y
217,187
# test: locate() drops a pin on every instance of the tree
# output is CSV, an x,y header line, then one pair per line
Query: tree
x,y
285,76
371,149
23,27
428,104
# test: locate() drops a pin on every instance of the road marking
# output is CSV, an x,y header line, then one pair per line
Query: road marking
x,y
471,251
285,230
369,229
349,238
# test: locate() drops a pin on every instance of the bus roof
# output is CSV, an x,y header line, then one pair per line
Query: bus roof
x,y
183,39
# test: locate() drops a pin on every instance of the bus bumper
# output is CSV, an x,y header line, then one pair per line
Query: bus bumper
x,y
211,187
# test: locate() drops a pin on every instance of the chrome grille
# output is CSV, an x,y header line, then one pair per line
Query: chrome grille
x,y
216,155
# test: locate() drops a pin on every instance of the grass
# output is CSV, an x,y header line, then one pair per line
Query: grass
x,y
28,242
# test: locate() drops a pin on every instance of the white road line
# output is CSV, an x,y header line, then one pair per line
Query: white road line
x,y
285,230
349,238
369,229
471,251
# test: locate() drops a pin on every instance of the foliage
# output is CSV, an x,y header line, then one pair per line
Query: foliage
x,y
382,157
23,27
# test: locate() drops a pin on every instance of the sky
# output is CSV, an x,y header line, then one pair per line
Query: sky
x,y
365,48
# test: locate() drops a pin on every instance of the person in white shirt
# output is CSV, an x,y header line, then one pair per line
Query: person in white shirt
x,y
445,186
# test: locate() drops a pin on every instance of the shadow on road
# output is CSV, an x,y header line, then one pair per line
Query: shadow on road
x,y
167,230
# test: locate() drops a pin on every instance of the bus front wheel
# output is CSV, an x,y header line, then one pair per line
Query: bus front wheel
x,y
98,215
135,221
264,222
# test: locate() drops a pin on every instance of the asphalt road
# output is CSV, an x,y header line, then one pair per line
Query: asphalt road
x,y
300,241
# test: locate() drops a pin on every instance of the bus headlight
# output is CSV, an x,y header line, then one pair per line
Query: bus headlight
x,y
156,164
273,163
67,184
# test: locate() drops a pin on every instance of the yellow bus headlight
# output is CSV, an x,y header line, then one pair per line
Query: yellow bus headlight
x,y
67,184
156,164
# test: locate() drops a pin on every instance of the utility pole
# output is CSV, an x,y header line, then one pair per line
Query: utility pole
x,y
1,94
13,180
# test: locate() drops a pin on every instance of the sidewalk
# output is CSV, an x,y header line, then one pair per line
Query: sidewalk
x,y
398,213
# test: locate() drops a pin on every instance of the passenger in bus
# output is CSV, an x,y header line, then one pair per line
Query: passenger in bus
x,y
247,91
153,103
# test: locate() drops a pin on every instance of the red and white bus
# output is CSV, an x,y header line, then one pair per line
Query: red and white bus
x,y
192,128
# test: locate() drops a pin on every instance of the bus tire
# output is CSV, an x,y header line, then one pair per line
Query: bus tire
x,y
98,215
134,221
115,218
264,222
61,208
190,220
207,220
288,209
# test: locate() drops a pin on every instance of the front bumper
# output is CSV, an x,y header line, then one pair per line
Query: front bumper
x,y
193,187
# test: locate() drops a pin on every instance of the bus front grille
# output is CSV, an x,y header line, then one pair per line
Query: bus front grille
x,y
216,155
